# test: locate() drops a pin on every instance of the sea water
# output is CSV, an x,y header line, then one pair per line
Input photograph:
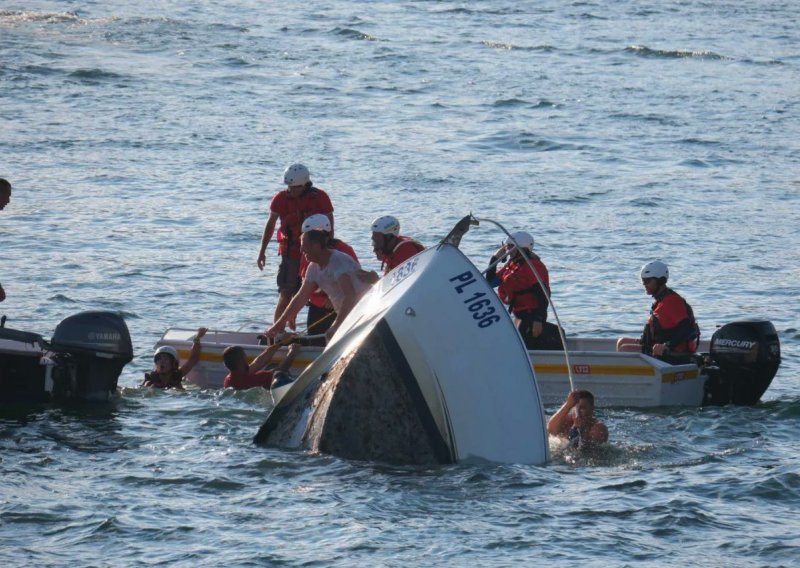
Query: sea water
x,y
145,139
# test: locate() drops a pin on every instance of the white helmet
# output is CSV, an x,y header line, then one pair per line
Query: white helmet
x,y
169,350
318,222
387,225
296,174
524,240
655,269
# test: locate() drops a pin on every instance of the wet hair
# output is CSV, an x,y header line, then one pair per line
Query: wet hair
x,y
232,356
5,187
583,393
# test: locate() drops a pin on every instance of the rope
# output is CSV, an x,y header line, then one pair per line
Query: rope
x,y
546,293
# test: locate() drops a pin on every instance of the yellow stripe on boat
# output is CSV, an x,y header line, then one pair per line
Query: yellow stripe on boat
x,y
587,369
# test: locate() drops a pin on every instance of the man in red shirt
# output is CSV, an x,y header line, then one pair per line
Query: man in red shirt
x,y
244,376
389,247
671,332
292,206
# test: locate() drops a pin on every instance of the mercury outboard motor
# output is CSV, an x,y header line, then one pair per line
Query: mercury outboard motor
x,y
745,356
89,350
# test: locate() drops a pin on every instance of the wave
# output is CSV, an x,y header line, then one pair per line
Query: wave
x,y
525,141
510,46
17,16
94,75
350,33
644,51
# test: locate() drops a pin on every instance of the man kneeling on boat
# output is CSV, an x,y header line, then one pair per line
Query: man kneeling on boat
x,y
671,332
244,376
576,422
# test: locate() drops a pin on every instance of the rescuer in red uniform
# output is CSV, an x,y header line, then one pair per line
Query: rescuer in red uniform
x,y
671,331
389,246
520,288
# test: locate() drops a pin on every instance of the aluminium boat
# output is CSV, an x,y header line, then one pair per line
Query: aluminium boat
x,y
737,367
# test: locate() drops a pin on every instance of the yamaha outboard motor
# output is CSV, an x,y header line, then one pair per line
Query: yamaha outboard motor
x,y
89,349
745,356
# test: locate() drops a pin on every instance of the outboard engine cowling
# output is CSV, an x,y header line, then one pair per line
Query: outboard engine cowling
x,y
745,356
90,349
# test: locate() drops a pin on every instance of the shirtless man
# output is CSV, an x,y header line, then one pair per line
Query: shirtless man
x,y
580,427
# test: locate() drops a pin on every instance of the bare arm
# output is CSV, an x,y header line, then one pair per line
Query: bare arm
x,y
194,356
290,313
330,217
269,228
560,423
263,358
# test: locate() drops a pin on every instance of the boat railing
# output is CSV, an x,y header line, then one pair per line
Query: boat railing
x,y
263,324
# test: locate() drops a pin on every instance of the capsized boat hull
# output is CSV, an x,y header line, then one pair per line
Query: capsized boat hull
x,y
450,359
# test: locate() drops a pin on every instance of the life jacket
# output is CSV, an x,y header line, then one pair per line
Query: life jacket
x,y
157,380
519,287
680,338
402,251
311,201
319,298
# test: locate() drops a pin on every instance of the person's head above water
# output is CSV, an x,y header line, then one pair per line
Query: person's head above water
x,y
166,359
5,193
235,358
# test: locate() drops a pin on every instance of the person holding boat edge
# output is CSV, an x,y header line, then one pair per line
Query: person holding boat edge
x,y
519,287
320,309
292,206
244,376
671,332
575,421
334,272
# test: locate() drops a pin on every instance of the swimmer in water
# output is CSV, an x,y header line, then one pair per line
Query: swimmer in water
x,y
580,427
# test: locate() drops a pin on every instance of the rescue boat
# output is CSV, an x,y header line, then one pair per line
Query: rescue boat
x,y
736,367
82,361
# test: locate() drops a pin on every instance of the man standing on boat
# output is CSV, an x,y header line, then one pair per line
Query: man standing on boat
x,y
389,246
320,309
671,332
334,272
576,422
521,288
5,199
292,206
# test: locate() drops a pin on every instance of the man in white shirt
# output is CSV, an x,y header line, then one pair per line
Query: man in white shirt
x,y
334,272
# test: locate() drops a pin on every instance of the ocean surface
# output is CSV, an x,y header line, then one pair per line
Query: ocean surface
x,y
144,140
